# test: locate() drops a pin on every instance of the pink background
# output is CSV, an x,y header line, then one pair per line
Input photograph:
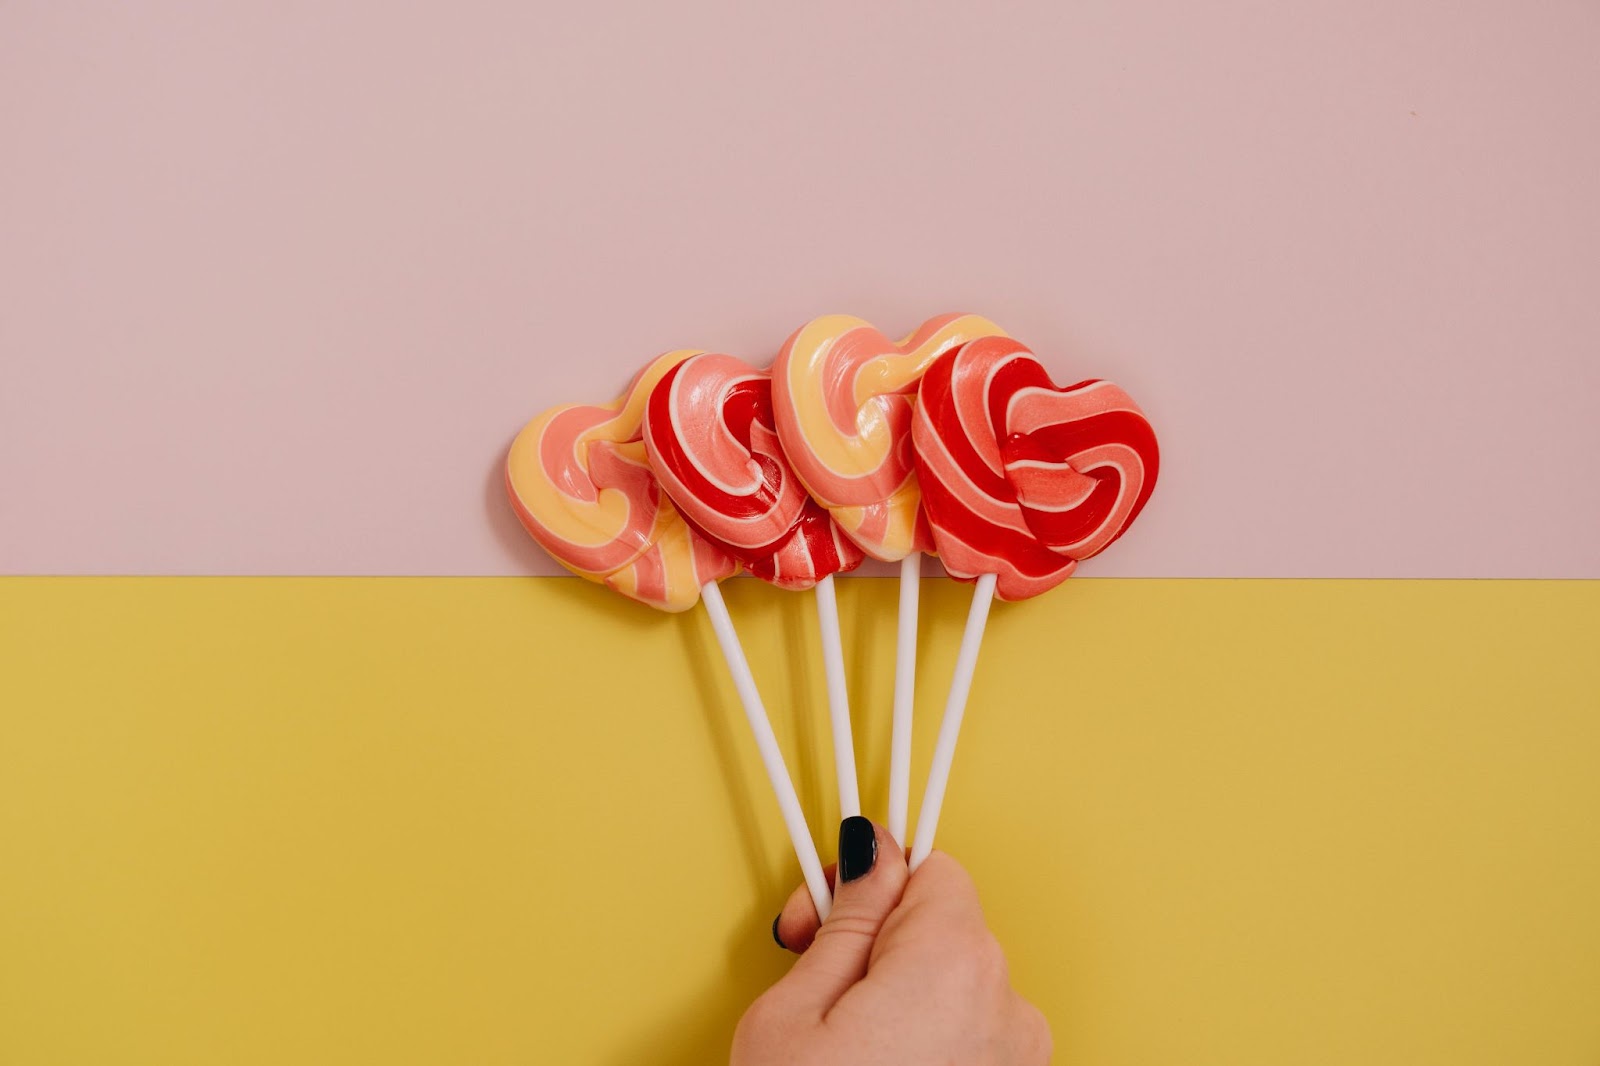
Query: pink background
x,y
278,282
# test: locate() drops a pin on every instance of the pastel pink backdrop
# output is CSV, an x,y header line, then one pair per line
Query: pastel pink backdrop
x,y
278,282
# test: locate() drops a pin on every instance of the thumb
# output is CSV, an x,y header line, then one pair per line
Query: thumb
x,y
872,878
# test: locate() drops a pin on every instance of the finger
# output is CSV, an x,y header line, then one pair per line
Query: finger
x,y
944,881
940,895
797,923
939,924
871,879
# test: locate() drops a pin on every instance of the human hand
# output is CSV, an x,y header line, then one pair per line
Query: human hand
x,y
904,971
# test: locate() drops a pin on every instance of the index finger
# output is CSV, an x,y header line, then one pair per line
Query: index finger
x,y
939,916
796,925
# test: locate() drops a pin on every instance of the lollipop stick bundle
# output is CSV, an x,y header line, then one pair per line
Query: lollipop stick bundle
x,y
952,440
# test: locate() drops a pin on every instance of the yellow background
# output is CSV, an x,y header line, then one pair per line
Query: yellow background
x,y
355,820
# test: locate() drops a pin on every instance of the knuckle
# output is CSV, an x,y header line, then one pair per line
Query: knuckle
x,y
946,874
1035,1028
842,926
973,965
991,961
761,1017
988,953
980,957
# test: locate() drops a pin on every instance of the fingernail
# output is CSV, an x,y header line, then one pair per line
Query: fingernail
x,y
858,848
775,935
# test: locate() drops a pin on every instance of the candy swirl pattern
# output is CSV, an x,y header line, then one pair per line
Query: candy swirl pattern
x,y
709,432
580,483
843,395
1019,478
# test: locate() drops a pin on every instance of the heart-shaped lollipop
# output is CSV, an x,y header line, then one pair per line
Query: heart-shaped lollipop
x,y
712,440
581,484
709,430
843,394
1022,479
579,480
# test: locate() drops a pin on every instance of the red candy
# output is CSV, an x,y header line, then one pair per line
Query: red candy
x,y
709,431
1022,479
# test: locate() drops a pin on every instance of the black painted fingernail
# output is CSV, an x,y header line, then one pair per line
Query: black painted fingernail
x,y
858,848
775,935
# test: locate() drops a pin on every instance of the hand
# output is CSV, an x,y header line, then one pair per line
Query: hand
x,y
904,971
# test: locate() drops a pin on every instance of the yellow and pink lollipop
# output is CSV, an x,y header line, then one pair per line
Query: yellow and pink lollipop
x,y
581,484
843,394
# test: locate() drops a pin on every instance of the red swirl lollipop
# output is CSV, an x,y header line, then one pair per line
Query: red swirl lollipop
x,y
710,432
1020,481
711,435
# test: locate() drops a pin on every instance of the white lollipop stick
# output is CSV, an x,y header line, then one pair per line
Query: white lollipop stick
x,y
905,683
944,751
844,751
788,802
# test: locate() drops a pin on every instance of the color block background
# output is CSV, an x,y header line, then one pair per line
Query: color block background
x,y
278,282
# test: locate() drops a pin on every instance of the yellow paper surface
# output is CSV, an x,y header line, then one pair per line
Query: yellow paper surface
x,y
356,820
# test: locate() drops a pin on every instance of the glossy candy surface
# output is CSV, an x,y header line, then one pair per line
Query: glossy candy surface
x,y
581,485
710,435
1022,479
843,395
